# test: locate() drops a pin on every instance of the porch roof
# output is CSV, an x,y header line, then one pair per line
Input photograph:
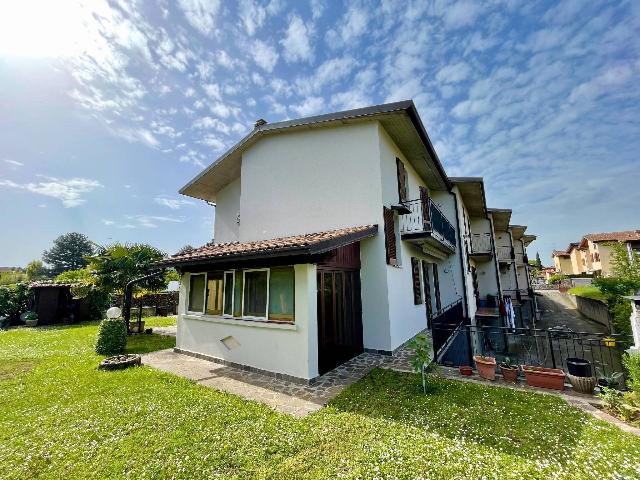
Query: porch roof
x,y
295,246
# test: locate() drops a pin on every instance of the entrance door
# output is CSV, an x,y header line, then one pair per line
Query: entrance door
x,y
339,318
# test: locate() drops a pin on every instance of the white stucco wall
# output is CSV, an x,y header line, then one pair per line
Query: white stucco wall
x,y
464,234
226,228
288,349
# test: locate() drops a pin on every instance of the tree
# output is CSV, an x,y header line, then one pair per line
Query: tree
x,y
538,261
185,249
625,281
69,252
118,264
36,270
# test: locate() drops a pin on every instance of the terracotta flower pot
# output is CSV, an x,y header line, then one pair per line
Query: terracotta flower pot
x,y
509,374
486,366
551,378
465,370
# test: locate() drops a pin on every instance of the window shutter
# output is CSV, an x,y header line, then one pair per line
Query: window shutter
x,y
436,286
402,180
389,236
427,290
417,288
426,213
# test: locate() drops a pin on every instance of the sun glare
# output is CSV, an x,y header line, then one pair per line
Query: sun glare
x,y
42,28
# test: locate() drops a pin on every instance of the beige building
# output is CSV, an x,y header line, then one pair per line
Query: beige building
x,y
592,255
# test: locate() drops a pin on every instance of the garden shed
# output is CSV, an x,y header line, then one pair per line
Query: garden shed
x,y
54,303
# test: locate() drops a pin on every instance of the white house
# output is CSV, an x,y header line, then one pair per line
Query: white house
x,y
334,234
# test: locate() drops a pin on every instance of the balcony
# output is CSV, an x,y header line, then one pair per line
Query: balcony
x,y
505,254
481,246
426,224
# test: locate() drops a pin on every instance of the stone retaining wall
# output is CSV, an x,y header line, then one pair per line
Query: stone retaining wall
x,y
592,309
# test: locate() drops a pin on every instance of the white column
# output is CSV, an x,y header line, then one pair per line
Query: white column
x,y
635,322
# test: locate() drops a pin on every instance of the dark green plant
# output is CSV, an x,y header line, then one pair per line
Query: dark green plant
x,y
509,363
69,252
631,362
112,337
35,270
612,380
14,300
118,264
421,360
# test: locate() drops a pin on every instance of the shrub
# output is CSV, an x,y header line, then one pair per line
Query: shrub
x,y
556,278
14,300
631,362
112,337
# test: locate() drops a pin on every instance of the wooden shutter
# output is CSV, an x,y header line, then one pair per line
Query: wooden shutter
x,y
417,288
426,214
427,291
436,286
389,236
402,181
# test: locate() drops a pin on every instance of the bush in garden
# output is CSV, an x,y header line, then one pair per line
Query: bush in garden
x,y
631,362
112,337
14,300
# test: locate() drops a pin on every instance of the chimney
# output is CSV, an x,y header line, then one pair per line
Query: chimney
x,y
260,122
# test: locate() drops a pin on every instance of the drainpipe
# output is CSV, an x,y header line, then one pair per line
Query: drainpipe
x,y
462,269
496,262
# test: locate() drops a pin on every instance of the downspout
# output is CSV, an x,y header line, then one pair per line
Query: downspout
x,y
495,258
464,276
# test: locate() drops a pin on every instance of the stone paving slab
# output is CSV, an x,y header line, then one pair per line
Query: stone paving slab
x,y
170,331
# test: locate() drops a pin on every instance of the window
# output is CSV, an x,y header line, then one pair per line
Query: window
x,y
415,276
228,293
237,293
255,294
281,294
214,293
196,293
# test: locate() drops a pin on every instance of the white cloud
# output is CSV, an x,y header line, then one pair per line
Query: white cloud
x,y
13,163
172,203
201,14
331,71
352,25
252,15
264,55
210,123
146,221
212,90
453,73
461,14
296,43
309,106
68,191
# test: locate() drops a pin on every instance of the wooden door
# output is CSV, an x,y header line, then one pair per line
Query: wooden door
x,y
339,317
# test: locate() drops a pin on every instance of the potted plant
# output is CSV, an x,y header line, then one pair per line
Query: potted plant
x,y
486,366
551,378
609,381
30,319
509,370
465,370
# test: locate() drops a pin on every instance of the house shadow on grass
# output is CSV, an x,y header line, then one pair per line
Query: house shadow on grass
x,y
525,424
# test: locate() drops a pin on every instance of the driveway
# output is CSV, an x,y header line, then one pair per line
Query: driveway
x,y
556,309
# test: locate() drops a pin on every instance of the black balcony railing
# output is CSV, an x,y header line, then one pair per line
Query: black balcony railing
x,y
481,243
425,216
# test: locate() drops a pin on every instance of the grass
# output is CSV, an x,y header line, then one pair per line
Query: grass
x,y
159,321
588,291
61,418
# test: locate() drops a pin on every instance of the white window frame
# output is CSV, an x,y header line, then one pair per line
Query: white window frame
x,y
244,284
233,292
204,301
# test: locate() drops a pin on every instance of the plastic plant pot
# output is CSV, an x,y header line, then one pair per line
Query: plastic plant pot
x,y
579,367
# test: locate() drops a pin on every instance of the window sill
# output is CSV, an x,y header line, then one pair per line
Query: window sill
x,y
241,322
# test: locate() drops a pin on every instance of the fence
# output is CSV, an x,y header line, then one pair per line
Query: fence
x,y
547,348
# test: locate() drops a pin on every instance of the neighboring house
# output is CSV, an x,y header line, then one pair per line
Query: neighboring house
x,y
592,255
334,234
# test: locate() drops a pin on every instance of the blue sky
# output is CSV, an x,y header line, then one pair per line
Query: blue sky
x,y
108,108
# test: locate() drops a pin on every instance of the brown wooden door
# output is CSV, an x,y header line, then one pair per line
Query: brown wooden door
x,y
339,317
426,214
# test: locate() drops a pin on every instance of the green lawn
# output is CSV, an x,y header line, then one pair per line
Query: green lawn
x,y
159,321
60,418
588,291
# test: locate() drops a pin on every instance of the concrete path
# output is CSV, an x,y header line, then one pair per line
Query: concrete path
x,y
557,309
168,331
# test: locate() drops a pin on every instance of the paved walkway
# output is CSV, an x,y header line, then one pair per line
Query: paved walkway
x,y
557,309
170,331
287,397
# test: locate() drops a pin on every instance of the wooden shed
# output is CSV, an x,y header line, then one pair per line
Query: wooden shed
x,y
54,303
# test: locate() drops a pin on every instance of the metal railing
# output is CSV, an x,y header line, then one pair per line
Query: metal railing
x,y
430,220
517,294
481,243
452,314
547,348
505,253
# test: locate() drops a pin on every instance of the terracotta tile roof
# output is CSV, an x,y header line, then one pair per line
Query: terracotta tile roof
x,y
626,236
307,244
559,253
